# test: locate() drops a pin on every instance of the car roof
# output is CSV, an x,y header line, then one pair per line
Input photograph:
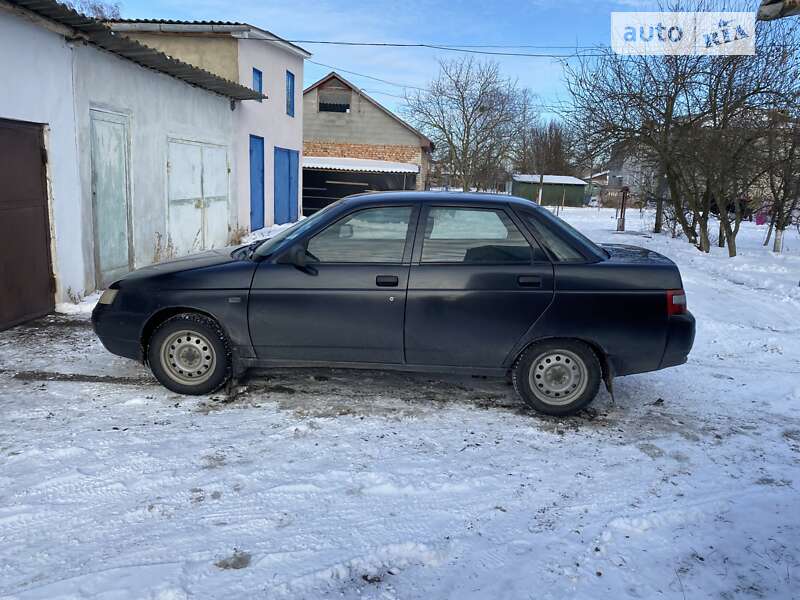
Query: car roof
x,y
430,197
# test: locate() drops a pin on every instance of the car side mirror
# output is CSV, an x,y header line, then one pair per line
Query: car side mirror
x,y
297,257
346,231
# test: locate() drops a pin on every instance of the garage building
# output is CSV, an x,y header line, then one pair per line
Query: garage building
x,y
115,156
557,190
327,179
348,133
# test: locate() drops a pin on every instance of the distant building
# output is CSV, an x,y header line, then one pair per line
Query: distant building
x,y
596,183
112,156
352,144
629,168
557,190
268,136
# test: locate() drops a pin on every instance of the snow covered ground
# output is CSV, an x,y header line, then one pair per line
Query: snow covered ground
x,y
317,484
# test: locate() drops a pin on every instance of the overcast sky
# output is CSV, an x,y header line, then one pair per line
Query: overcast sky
x,y
453,22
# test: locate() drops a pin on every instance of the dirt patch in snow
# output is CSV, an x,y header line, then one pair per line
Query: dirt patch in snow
x,y
49,376
238,560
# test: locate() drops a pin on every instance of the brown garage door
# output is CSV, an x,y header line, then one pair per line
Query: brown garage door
x,y
26,280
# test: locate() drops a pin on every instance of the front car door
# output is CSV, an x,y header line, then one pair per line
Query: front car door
x,y
349,302
478,283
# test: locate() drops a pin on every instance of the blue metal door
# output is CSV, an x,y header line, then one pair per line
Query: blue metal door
x,y
287,164
256,182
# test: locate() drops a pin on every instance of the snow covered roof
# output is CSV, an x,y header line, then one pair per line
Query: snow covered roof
x,y
335,163
554,179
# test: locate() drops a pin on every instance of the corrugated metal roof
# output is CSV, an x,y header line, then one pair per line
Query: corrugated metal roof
x,y
230,27
176,22
335,163
551,179
101,35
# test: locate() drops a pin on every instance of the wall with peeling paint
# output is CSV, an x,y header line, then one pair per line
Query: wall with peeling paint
x,y
51,81
159,108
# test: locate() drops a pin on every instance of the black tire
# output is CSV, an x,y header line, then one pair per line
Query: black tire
x,y
557,377
189,354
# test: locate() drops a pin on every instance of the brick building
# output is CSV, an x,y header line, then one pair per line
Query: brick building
x,y
366,146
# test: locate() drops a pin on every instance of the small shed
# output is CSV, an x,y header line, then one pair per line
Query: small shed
x,y
326,179
557,190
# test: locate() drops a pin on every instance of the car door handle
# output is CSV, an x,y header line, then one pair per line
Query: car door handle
x,y
531,281
387,281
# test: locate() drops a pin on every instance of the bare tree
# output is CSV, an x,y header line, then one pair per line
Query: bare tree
x,y
698,119
545,149
637,102
782,173
97,9
473,114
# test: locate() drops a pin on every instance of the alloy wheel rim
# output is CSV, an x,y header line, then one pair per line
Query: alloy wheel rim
x,y
558,377
188,357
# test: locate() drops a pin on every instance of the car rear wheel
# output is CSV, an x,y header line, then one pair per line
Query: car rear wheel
x,y
189,354
557,377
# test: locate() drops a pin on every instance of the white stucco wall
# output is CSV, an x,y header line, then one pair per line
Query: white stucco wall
x,y
54,82
159,108
267,119
36,71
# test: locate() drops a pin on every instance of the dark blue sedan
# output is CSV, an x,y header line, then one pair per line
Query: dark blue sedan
x,y
417,281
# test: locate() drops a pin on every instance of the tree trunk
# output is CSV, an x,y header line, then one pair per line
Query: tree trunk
x,y
731,246
705,243
730,236
659,215
721,240
769,231
778,245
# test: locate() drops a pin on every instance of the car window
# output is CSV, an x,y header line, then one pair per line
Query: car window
x,y
466,235
558,247
294,231
574,245
373,235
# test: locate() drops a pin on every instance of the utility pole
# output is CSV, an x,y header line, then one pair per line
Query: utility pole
x,y
541,186
621,212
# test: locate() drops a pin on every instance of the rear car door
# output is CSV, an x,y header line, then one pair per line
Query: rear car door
x,y
348,304
478,283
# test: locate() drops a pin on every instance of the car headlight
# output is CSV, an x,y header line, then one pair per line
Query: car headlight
x,y
108,296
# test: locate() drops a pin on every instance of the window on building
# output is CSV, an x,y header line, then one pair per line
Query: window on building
x,y
258,82
334,99
374,235
465,235
290,93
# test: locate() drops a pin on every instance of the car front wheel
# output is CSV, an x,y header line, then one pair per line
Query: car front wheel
x,y
557,377
189,354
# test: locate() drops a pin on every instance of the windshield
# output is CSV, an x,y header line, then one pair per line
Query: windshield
x,y
269,245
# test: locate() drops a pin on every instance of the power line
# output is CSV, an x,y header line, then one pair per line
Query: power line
x,y
400,85
464,49
542,107
453,46
383,93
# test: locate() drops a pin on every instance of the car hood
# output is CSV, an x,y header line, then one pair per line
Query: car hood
x,y
190,261
212,269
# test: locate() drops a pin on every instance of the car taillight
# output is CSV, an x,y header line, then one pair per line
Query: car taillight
x,y
676,302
